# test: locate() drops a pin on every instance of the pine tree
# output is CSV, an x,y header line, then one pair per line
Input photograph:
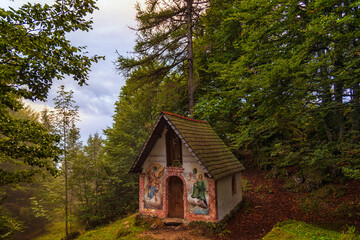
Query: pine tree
x,y
66,113
165,42
284,72
88,183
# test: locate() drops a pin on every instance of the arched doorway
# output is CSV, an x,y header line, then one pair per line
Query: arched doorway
x,y
175,197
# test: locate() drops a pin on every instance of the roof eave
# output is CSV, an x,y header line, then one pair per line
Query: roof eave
x,y
146,148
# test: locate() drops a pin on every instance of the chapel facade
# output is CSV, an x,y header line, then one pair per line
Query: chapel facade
x,y
187,172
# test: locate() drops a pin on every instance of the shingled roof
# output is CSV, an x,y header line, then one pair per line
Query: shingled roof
x,y
201,141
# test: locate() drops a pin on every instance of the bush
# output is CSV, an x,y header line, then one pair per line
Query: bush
x,y
349,209
8,225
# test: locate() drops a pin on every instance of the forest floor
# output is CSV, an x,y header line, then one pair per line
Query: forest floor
x,y
266,202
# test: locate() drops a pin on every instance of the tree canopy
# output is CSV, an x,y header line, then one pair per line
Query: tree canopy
x,y
278,80
34,51
286,74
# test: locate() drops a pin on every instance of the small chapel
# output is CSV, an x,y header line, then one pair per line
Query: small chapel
x,y
186,171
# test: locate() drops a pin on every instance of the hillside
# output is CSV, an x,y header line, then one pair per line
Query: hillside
x,y
267,202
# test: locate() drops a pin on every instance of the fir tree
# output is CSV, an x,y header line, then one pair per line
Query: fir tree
x,y
165,41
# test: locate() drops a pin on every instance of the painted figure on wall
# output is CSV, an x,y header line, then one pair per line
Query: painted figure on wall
x,y
153,186
197,193
199,189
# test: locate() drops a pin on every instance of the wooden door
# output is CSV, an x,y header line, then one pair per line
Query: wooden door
x,y
176,200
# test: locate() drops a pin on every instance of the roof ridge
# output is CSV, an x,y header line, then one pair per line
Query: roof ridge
x,y
186,118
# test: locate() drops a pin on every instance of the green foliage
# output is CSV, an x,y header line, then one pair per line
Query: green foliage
x,y
164,45
8,225
88,183
52,231
311,204
34,51
24,143
349,209
32,203
301,230
121,229
66,114
211,228
279,79
245,185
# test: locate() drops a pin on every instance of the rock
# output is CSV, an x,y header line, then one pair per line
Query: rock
x,y
313,180
173,221
154,226
298,179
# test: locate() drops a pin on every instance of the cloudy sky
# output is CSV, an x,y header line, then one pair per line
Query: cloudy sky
x,y
110,33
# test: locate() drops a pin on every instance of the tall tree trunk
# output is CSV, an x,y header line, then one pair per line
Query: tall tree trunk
x,y
339,94
339,116
191,80
326,100
355,115
66,189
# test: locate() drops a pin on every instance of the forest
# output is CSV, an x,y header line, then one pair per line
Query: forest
x,y
277,80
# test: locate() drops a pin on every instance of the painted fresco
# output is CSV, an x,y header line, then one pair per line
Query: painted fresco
x,y
197,192
153,191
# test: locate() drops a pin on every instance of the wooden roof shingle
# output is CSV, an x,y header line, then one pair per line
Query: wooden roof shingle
x,y
201,141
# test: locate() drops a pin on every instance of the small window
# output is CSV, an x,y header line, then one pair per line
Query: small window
x,y
233,184
173,149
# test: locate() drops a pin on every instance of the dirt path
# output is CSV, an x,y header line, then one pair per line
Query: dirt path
x,y
266,203
175,234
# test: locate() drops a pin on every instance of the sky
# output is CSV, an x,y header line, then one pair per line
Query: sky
x,y
110,33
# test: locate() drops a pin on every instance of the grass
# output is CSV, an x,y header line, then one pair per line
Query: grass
x,y
126,228
54,231
301,230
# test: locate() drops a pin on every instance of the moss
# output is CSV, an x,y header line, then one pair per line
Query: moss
x,y
211,228
301,230
126,228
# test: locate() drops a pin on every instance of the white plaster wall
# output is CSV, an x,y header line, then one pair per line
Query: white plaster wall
x,y
226,201
157,153
189,162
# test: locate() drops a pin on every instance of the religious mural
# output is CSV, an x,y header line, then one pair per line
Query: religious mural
x,y
153,192
197,192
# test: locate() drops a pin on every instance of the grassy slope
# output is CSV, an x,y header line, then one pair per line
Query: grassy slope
x,y
301,230
127,229
54,231
121,229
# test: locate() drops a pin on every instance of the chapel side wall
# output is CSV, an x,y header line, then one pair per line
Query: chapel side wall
x,y
226,200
